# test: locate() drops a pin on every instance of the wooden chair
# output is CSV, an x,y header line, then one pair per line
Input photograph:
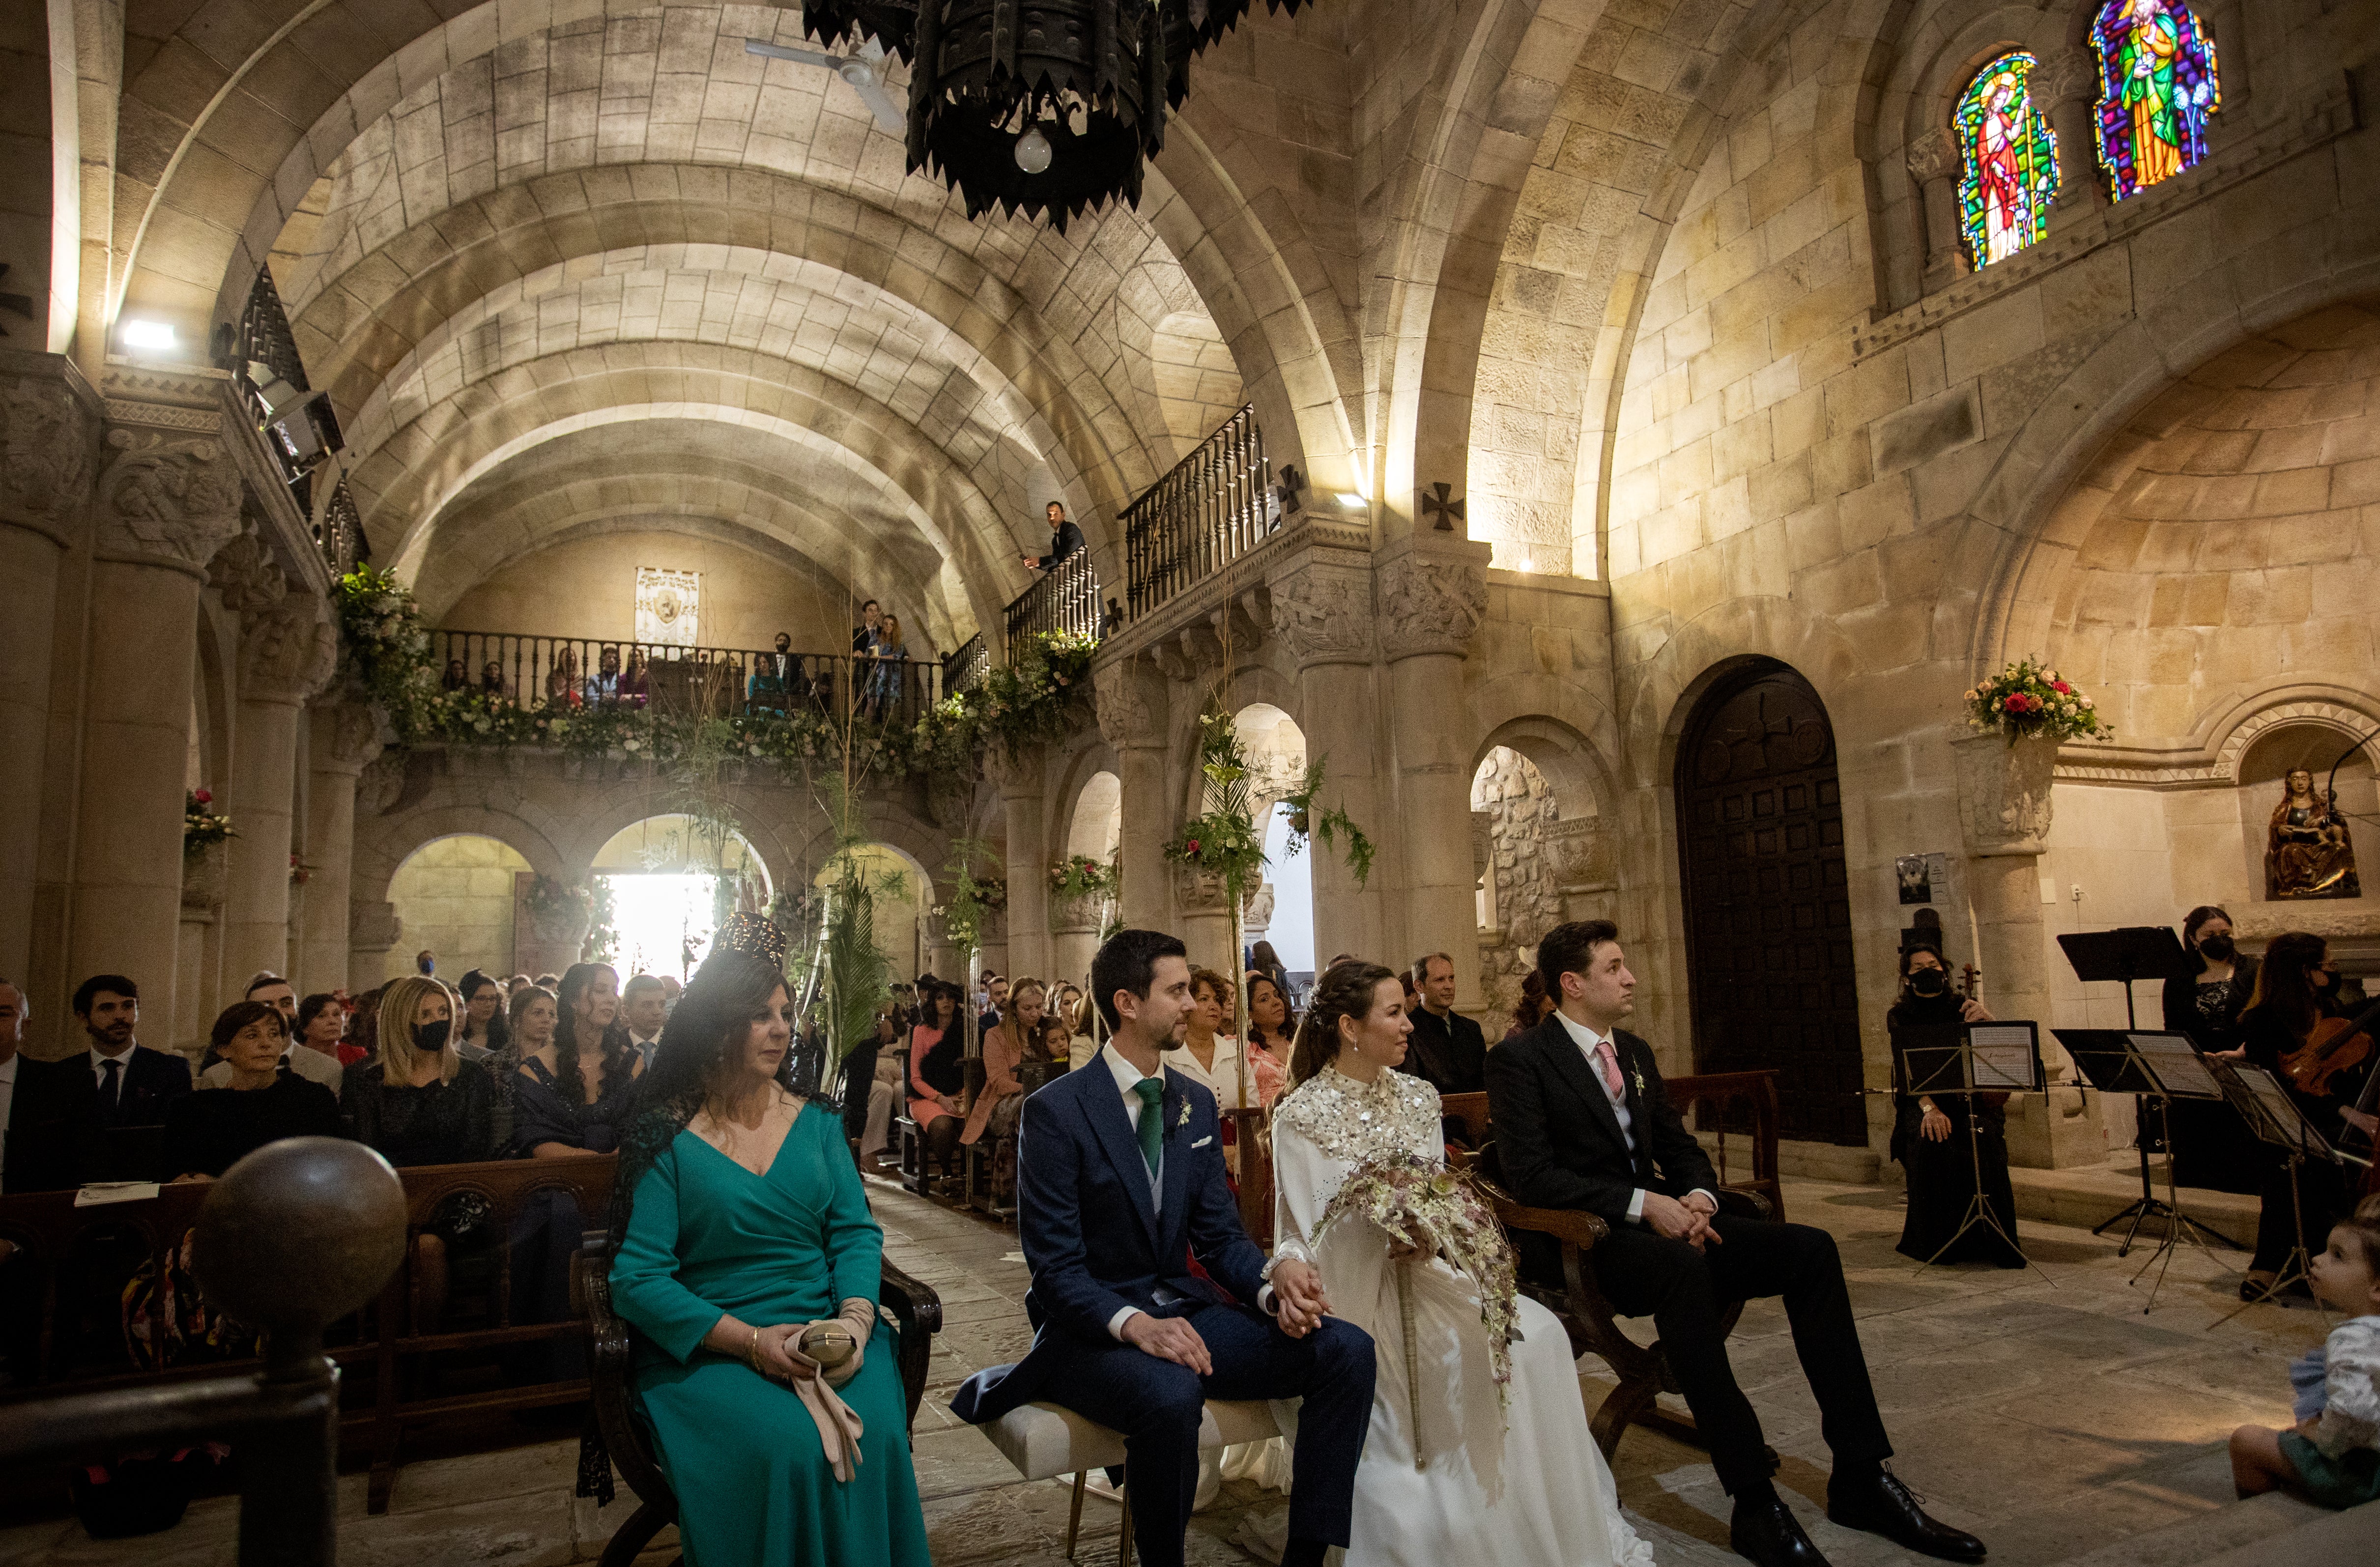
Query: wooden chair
x,y
1749,1097
917,1315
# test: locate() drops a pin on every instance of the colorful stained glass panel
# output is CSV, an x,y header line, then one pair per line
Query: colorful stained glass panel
x,y
2008,161
2157,89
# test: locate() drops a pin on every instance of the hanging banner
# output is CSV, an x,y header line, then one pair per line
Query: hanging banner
x,y
666,605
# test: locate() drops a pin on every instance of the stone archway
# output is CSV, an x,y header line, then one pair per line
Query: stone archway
x,y
1770,972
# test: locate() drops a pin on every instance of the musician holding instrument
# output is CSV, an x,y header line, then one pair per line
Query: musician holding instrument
x,y
1929,1133
2324,1062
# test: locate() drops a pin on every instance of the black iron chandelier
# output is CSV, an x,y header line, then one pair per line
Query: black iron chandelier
x,y
1040,107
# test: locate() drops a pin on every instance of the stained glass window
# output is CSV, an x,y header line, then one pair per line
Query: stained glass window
x,y
2008,161
2157,89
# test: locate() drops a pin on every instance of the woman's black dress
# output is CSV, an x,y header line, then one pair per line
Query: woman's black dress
x,y
1943,1177
2324,1194
551,1226
447,1122
207,1133
2212,1147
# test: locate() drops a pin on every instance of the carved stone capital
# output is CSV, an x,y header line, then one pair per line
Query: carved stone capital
x,y
1078,916
1430,605
287,648
2068,75
348,736
1013,776
1932,155
169,498
1323,614
2004,802
49,442
372,925
1127,713
1197,890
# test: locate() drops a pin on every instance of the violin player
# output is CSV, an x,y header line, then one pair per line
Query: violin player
x,y
2323,1061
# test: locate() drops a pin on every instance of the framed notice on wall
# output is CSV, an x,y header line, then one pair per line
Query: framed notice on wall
x,y
667,602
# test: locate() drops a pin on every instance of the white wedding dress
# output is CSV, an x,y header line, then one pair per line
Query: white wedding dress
x,y
1517,1486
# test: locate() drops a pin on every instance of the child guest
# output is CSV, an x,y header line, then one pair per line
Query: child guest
x,y
2333,1455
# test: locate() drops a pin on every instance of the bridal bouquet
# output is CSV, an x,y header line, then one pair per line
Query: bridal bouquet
x,y
1422,1202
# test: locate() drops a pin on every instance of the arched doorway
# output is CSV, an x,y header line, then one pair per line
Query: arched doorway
x,y
1771,979
454,897
1282,909
664,885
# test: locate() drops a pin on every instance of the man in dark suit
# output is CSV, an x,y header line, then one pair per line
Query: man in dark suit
x,y
1447,1049
49,1127
1119,1183
1064,539
1582,1122
132,1084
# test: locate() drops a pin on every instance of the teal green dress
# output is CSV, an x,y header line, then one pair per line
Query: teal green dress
x,y
706,1236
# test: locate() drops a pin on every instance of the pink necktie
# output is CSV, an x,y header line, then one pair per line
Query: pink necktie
x,y
1610,1060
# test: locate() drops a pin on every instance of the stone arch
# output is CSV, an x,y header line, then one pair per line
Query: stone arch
x,y
382,851
1705,649
2354,716
763,833
923,844
1565,718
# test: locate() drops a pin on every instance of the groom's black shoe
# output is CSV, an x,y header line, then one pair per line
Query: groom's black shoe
x,y
1881,1504
1766,1531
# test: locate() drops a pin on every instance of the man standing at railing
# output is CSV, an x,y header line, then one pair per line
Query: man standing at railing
x,y
1064,539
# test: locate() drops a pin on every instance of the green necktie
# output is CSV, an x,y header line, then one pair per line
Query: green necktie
x,y
1152,1120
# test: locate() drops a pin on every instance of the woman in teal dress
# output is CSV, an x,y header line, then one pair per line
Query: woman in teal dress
x,y
746,1225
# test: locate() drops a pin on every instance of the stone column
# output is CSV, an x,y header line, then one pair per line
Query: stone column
x,y
2005,804
2066,88
1019,781
1202,911
344,735
991,949
1934,165
287,651
1430,608
1322,612
1131,714
167,499
49,432
1074,938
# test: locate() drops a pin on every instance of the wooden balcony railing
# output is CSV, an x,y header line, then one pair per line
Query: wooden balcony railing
x,y
1064,597
340,534
584,672
1216,506
966,668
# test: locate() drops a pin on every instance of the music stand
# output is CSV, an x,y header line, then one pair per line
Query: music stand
x,y
1977,1058
2127,953
2159,1068
2275,1117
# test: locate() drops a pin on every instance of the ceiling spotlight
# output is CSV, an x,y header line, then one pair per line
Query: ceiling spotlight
x,y
1033,151
148,335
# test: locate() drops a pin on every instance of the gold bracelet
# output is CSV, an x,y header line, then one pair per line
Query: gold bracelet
x,y
752,1353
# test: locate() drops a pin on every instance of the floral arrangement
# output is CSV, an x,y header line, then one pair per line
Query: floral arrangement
x,y
1447,1212
1229,840
202,828
1080,875
555,901
2027,701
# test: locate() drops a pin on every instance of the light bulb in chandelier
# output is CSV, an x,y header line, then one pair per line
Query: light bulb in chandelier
x,y
1033,151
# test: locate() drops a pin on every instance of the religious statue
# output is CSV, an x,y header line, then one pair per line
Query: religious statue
x,y
2009,175
2157,86
2308,852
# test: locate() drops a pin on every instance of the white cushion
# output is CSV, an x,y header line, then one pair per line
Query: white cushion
x,y
1042,1439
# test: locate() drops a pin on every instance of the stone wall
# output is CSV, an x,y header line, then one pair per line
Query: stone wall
x,y
454,897
1516,813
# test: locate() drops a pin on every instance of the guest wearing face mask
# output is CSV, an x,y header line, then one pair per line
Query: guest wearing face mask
x,y
2212,1146
1930,1131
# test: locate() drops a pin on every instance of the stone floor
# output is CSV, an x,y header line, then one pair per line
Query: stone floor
x,y
2042,1409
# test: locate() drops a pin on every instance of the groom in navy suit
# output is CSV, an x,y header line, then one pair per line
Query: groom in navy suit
x,y
1120,1184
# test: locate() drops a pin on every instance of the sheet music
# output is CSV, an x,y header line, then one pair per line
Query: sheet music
x,y
2002,1053
2176,1066
2275,1102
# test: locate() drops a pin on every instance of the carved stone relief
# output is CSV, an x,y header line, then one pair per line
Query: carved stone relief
x,y
48,442
1430,606
1127,717
1324,615
169,496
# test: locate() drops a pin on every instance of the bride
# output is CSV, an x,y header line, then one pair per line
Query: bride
x,y
1510,1483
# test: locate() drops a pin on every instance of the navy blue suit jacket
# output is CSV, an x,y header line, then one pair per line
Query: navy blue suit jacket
x,y
1096,1242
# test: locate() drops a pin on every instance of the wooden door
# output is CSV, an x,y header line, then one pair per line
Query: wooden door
x,y
1770,974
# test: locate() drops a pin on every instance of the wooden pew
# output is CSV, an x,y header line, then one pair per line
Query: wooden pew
x,y
1746,1099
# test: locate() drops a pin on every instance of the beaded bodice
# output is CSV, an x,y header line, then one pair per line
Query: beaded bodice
x,y
1353,1122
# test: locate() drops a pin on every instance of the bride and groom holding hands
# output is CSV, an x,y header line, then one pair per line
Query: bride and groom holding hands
x,y
1409,1449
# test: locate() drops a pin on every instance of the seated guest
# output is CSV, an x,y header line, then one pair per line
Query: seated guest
x,y
1053,1044
1263,960
492,683
1083,1042
2281,1014
995,991
535,1014
273,991
1534,1007
636,682
49,1127
456,678
132,1085
484,1031
603,686
261,1101
871,1085
741,1223
1448,1050
1210,1056
1929,1132
362,1043
569,1091
1272,1033
1582,1122
644,1007
2333,1454
321,1029
936,1079
318,1066
1004,1049
2212,1147
562,681
420,1102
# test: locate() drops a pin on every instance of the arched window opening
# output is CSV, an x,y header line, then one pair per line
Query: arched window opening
x,y
2157,89
2008,157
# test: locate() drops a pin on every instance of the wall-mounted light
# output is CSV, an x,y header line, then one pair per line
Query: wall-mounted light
x,y
151,335
1352,502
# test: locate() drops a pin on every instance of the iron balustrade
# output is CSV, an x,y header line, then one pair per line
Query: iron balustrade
x,y
262,337
1064,597
340,534
1216,506
965,669
584,673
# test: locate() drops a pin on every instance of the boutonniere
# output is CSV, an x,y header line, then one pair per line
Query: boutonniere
x,y
1183,1119
1637,1075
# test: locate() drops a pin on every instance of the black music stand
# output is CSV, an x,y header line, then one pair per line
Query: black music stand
x,y
2123,955
2159,1068
2274,1115
2009,1063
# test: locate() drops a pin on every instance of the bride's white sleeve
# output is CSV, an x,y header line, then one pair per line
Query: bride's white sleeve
x,y
1297,1201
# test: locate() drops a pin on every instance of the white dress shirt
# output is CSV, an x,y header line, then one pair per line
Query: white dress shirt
x,y
644,1045
1222,1079
1587,1039
123,1068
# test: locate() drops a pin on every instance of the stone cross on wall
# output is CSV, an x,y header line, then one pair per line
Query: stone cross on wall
x,y
1436,501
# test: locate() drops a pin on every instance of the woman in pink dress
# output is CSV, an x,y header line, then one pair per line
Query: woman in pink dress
x,y
936,1079
1270,1030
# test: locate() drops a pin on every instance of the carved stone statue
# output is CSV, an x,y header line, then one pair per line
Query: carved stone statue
x,y
2308,852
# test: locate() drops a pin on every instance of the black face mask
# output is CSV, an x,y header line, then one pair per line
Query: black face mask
x,y
2216,949
1928,982
431,1037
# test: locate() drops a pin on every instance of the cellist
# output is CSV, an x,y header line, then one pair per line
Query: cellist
x,y
2278,1024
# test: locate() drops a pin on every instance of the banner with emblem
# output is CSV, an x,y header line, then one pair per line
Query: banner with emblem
x,y
666,605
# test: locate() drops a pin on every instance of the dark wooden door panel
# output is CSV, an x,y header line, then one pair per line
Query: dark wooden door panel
x,y
1770,971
